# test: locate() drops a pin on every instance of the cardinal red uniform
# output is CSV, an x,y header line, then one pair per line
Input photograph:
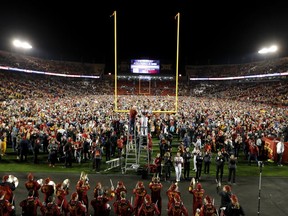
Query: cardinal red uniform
x,y
61,194
156,186
171,192
100,203
177,208
6,207
32,184
82,189
120,187
148,208
76,207
122,206
30,205
139,191
208,209
51,208
198,194
47,189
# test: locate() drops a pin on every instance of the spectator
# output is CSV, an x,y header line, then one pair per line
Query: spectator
x,y
199,162
232,169
187,157
120,145
253,152
98,152
207,161
234,208
53,151
158,163
68,151
220,161
280,150
178,162
167,165
24,148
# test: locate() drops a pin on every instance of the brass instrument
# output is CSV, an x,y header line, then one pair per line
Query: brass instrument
x,y
66,184
40,181
193,183
84,177
53,184
13,179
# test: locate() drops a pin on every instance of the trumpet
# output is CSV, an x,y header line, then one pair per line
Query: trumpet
x,y
14,180
84,177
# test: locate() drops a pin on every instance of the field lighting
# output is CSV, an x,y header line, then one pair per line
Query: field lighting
x,y
22,45
271,49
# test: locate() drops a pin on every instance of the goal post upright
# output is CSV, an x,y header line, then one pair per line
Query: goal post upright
x,y
115,61
177,61
177,17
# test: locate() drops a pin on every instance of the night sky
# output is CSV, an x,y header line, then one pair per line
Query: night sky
x,y
210,33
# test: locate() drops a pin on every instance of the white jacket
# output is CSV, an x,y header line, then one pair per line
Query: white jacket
x,y
280,147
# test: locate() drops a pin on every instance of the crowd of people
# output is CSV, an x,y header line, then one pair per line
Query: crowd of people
x,y
75,121
64,199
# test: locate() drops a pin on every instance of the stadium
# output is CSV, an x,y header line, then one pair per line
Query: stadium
x,y
48,102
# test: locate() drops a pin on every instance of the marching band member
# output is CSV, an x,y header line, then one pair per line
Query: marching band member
x,y
31,204
208,209
100,203
6,207
148,208
8,188
122,206
177,208
76,207
139,191
62,191
119,188
47,189
156,186
97,188
198,193
82,188
32,184
51,208
171,192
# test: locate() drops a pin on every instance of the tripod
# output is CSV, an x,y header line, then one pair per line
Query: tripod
x,y
260,163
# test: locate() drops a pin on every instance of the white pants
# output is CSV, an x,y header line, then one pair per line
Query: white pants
x,y
178,172
144,125
194,162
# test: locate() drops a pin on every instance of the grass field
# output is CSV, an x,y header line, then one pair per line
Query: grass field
x,y
9,163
